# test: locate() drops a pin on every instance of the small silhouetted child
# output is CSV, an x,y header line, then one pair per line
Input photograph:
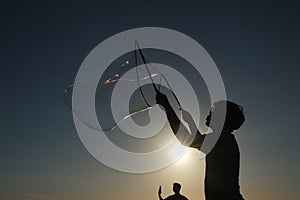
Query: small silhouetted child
x,y
175,196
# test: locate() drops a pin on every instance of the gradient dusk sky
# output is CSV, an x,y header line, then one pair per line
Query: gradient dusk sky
x,y
43,43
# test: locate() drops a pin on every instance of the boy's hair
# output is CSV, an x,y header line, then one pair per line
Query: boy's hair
x,y
176,187
234,114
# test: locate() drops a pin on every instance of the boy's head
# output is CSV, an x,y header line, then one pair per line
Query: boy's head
x,y
234,116
176,187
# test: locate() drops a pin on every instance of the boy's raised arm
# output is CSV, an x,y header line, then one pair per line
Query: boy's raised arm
x,y
181,132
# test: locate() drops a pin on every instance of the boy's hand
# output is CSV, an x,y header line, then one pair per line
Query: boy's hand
x,y
162,99
186,116
159,190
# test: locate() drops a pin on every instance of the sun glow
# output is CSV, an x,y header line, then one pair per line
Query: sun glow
x,y
187,156
183,152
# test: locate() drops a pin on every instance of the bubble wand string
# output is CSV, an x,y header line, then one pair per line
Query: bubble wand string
x,y
145,62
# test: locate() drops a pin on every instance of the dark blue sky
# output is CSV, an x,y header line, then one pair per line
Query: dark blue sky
x,y
255,46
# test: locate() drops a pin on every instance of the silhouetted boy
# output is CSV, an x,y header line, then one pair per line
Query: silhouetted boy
x,y
176,196
222,162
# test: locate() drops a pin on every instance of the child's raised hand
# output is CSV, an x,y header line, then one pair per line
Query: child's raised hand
x,y
186,116
159,190
162,99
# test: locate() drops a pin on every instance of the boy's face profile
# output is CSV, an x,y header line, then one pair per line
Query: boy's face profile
x,y
209,122
208,118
